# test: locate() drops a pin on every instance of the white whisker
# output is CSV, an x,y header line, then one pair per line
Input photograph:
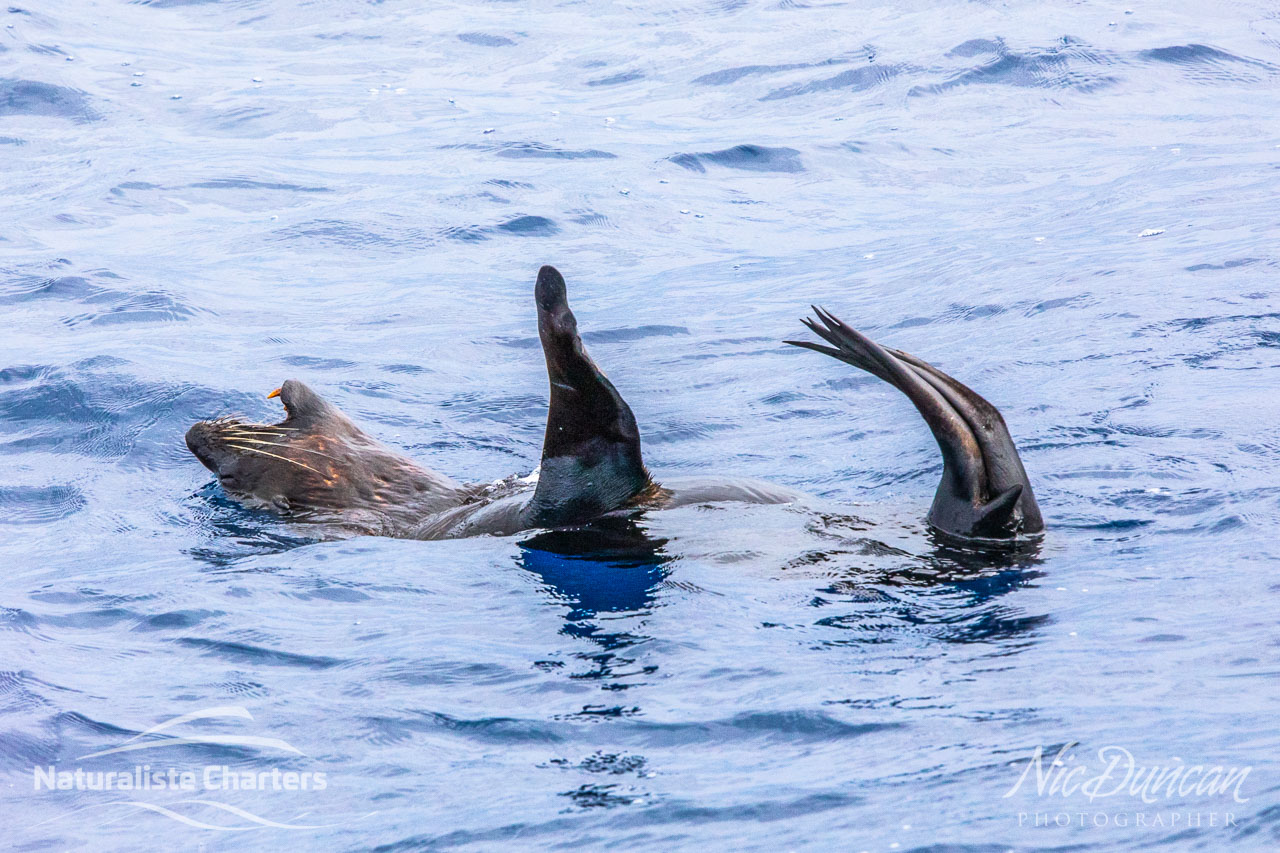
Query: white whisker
x,y
275,456
281,444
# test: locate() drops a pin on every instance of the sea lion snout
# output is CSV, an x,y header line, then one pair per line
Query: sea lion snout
x,y
207,441
198,443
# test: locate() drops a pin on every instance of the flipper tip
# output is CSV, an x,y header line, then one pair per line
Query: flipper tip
x,y
550,291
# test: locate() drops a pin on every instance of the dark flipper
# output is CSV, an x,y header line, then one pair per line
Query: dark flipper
x,y
984,493
591,461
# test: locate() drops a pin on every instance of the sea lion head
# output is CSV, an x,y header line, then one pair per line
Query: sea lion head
x,y
316,462
282,464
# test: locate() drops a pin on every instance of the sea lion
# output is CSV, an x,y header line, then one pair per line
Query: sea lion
x,y
318,465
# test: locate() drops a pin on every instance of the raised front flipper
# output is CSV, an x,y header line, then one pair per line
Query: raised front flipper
x,y
984,493
591,461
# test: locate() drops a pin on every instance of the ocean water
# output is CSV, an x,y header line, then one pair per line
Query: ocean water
x,y
1073,207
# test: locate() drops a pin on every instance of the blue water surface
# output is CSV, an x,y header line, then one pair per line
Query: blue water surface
x,y
1070,206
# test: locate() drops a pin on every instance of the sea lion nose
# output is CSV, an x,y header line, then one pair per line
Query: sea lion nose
x,y
198,443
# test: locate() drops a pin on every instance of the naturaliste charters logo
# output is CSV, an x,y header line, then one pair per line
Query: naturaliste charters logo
x,y
216,777
1118,774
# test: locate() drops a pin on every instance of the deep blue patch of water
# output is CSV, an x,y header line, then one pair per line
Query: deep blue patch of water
x,y
1072,207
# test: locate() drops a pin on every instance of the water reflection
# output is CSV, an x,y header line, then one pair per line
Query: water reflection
x,y
919,585
612,566
922,585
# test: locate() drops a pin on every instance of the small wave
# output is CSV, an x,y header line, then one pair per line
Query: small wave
x,y
782,726
1199,54
1210,66
1225,265
764,810
338,233
465,233
485,40
118,306
750,158
632,333
1063,66
91,620
536,150
519,226
854,80
317,363
257,655
380,730
39,505
174,4
15,619
175,619
617,79
407,369
593,219
20,752
733,75
33,98
529,226
246,184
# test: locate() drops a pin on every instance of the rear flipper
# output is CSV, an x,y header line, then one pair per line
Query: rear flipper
x,y
984,493
591,462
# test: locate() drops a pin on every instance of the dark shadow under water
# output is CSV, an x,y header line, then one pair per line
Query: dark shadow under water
x,y
616,565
